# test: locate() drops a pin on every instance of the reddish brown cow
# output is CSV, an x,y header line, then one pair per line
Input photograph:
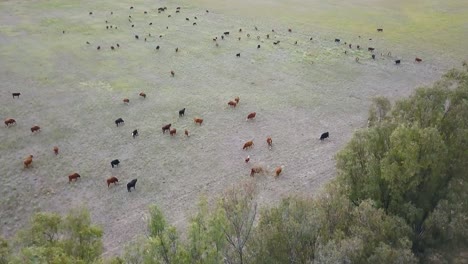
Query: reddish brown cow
x,y
255,170
186,132
232,103
56,150
142,94
269,142
248,144
126,100
418,59
251,115
73,176
166,127
172,132
113,180
9,121
237,99
28,161
278,171
198,121
35,129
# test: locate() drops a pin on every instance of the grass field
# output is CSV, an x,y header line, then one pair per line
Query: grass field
x,y
74,92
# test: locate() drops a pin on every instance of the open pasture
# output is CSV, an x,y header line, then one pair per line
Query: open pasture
x,y
75,92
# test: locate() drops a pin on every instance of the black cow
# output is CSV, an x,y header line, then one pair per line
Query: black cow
x,y
397,61
157,47
136,36
337,40
324,136
226,33
238,55
16,94
131,184
166,127
276,42
373,56
115,163
380,30
135,133
258,46
370,49
182,112
118,121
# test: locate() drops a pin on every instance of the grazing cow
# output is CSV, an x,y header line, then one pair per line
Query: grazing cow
x,y
269,142
397,61
166,127
380,30
226,33
115,162
198,120
126,100
35,129
248,144
194,24
373,56
289,30
187,19
73,176
182,112
16,94
255,170
136,36
178,8
251,115
238,55
237,99
90,13
142,94
9,121
157,47
118,121
337,40
131,184
417,59
247,159
131,7
56,150
370,49
145,12
186,132
98,47
240,29
278,170
222,37
258,46
177,11
28,161
177,50
256,28
135,133
276,42
173,131
172,73
118,46
268,36
358,47
113,180
324,136
232,103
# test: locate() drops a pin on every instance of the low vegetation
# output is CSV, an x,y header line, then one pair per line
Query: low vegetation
x,y
399,197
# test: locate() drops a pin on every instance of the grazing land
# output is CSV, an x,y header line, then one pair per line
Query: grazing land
x,y
75,92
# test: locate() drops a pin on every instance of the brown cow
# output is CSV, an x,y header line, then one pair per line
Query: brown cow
x,y
198,120
172,132
9,121
28,161
172,73
278,171
113,180
126,100
418,59
255,170
142,94
251,115
35,128
186,132
270,142
232,103
73,176
248,144
166,127
237,99
56,150
247,159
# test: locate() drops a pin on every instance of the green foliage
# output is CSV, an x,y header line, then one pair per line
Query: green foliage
x,y
5,251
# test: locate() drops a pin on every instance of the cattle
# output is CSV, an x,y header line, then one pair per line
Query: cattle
x,y
251,115
118,46
177,11
131,7
276,42
107,27
295,43
337,40
397,61
238,55
136,36
142,94
248,144
187,19
157,47
177,50
56,150
278,170
145,12
248,35
126,100
178,8
417,59
9,121
131,184
90,13
98,47
256,28
237,99
194,24
115,162
119,121
255,170
269,142
324,136
186,133
113,180
380,30
173,131
198,121
358,47
172,73
373,56
207,11
350,45
182,112
258,46
370,49
226,33
268,36
289,30
28,161
73,176
135,133
247,159
240,29
16,94
222,37
166,127
35,128
232,103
